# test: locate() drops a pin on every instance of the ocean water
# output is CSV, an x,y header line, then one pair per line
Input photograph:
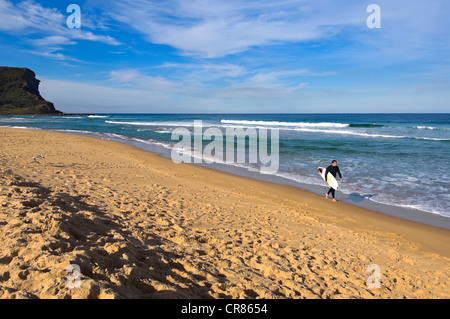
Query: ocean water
x,y
396,159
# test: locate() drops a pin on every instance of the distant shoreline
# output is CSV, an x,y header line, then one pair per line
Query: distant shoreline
x,y
51,114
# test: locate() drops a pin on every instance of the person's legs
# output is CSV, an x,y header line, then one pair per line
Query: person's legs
x,y
333,193
331,190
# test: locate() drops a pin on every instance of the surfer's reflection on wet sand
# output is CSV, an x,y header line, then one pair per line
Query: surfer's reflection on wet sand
x,y
357,197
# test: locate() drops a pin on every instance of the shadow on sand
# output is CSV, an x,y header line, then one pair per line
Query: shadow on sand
x,y
130,262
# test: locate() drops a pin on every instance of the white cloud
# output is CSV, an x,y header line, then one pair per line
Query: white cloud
x,y
53,54
259,86
10,17
25,15
76,96
217,28
47,26
51,41
144,93
210,71
134,78
132,91
87,35
235,83
276,75
224,69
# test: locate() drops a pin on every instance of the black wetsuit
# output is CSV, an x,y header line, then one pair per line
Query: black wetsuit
x,y
333,170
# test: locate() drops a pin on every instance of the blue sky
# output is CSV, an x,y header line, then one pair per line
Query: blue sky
x,y
211,56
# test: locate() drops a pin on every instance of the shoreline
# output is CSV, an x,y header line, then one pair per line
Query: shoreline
x,y
405,213
141,226
417,203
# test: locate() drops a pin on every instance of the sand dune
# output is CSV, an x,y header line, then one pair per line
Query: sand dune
x,y
140,226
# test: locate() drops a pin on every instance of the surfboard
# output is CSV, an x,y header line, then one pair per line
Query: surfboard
x,y
330,178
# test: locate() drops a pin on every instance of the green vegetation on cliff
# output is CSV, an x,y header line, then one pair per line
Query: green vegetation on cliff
x,y
19,93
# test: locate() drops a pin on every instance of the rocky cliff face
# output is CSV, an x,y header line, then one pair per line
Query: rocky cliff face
x,y
19,93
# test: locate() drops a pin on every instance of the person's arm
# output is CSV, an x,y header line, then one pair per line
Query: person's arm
x,y
326,173
339,172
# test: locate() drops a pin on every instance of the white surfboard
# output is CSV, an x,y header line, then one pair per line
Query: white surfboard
x,y
330,178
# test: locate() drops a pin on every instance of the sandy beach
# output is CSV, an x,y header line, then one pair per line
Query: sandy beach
x,y
140,226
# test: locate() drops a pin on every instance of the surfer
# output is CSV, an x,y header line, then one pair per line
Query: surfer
x,y
333,169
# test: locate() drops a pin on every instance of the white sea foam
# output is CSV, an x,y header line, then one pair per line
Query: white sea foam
x,y
21,127
117,136
13,118
176,124
275,123
342,132
243,123
315,128
76,131
426,128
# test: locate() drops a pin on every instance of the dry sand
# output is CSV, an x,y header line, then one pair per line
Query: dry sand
x,y
140,226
